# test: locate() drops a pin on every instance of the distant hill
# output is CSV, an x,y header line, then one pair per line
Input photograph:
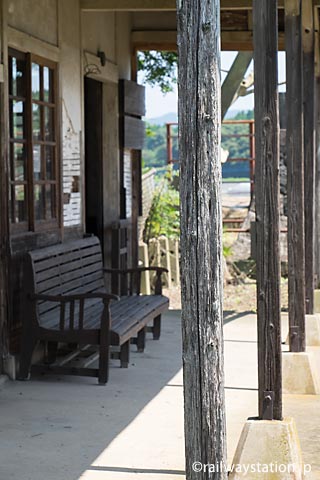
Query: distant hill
x,y
231,114
171,117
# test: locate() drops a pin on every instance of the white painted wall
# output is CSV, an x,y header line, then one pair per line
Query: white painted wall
x,y
39,18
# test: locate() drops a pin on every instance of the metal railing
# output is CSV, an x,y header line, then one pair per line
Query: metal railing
x,y
171,136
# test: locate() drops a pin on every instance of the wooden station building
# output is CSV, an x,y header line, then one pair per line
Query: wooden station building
x,y
71,131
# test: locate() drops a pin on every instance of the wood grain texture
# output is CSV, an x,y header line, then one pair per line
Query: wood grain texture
x,y
201,234
267,203
317,151
295,166
4,222
309,147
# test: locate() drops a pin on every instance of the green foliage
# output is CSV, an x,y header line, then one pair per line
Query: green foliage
x,y
227,250
155,150
159,68
164,216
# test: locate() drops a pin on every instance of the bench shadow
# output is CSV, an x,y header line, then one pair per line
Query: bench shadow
x,y
69,421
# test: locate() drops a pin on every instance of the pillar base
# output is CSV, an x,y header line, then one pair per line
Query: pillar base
x,y
268,449
300,373
313,330
317,300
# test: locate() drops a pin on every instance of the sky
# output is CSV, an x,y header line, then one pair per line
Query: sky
x,y
159,104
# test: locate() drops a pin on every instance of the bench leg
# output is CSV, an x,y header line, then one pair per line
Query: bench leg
x,y
103,364
27,348
51,355
157,327
141,340
125,354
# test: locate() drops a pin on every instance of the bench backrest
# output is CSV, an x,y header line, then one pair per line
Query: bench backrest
x,y
66,269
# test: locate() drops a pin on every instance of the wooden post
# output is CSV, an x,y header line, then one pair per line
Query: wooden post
x,y
317,150
201,235
265,15
4,222
309,147
295,166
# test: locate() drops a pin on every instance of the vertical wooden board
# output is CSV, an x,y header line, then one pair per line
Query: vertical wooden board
x,y
4,207
267,225
317,156
201,234
295,169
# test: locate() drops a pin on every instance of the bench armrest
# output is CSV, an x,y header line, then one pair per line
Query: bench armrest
x,y
70,298
69,322
134,270
159,271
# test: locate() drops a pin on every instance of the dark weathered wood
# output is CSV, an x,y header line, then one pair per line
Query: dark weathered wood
x,y
134,133
267,187
201,234
4,223
309,147
136,204
295,166
68,303
132,97
93,110
317,159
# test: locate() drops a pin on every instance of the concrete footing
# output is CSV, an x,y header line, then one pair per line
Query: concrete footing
x,y
317,300
300,373
268,449
313,330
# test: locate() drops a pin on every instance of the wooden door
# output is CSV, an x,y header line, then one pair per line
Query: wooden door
x,y
94,158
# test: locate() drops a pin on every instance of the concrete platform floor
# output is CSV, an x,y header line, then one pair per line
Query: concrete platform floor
x,y
69,428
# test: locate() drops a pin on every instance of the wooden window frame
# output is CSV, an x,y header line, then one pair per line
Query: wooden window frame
x,y
32,224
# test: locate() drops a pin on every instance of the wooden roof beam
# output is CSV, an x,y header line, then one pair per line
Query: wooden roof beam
x,y
167,40
127,5
160,5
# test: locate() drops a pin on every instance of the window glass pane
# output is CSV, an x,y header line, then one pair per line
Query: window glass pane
x,y
50,162
17,80
35,82
48,85
19,161
49,123
36,121
39,202
20,210
50,202
37,162
17,119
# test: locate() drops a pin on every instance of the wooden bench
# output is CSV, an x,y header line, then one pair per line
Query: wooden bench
x,y
67,304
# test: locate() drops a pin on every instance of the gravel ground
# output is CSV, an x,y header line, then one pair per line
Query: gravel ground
x,y
237,298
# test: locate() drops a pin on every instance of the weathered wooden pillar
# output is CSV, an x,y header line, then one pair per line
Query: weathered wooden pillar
x,y
317,149
267,184
4,229
295,166
309,147
201,235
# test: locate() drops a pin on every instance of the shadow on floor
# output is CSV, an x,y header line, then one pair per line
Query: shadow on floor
x,y
54,427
